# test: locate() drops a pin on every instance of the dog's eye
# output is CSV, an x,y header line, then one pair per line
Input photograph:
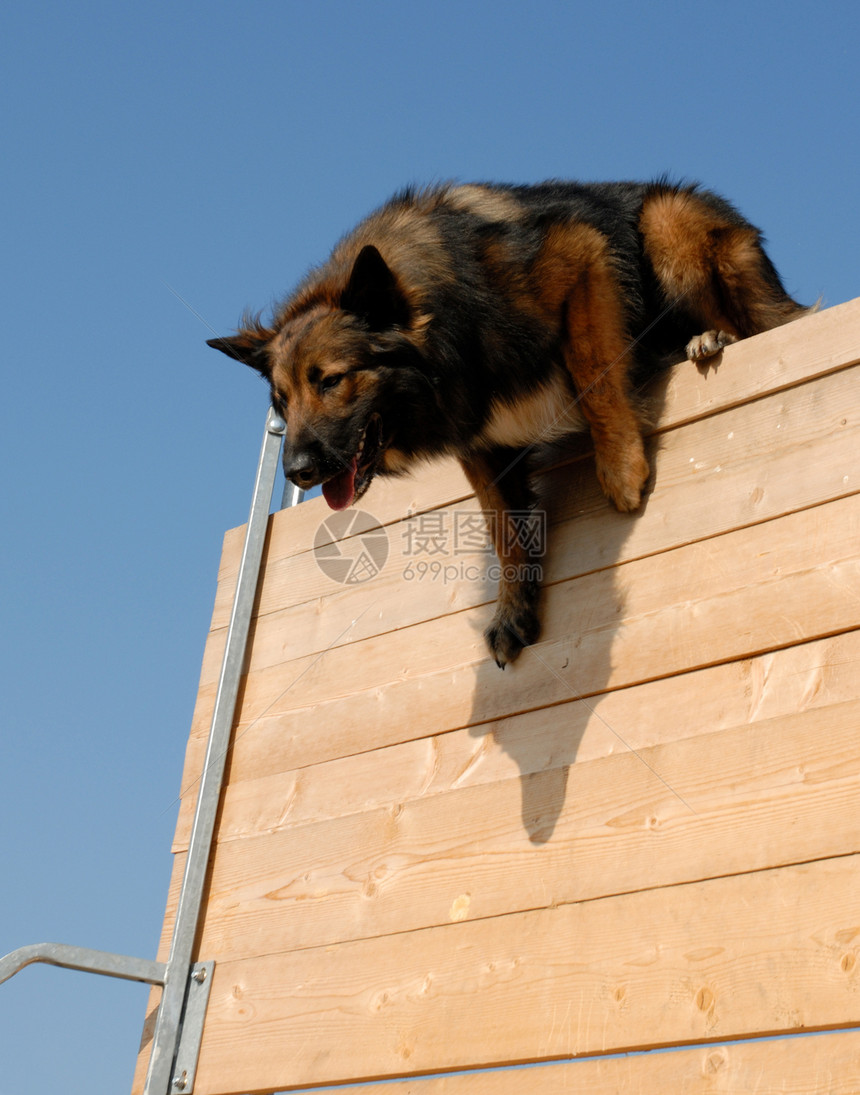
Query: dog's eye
x,y
330,381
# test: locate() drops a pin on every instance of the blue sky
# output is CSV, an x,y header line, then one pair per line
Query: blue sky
x,y
166,166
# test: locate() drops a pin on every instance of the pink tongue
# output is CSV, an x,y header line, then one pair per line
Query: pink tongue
x,y
340,490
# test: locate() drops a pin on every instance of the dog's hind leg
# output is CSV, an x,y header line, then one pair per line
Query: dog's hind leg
x,y
499,480
711,265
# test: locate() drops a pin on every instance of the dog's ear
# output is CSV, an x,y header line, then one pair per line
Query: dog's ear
x,y
247,346
373,293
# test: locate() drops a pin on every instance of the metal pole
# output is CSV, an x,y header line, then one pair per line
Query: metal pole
x,y
161,1078
292,495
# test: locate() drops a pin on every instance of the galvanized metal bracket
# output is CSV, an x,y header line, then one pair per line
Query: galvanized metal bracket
x,y
191,1032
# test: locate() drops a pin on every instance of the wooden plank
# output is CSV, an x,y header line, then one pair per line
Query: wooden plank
x,y
757,589
751,464
816,1064
774,361
822,1064
765,953
720,804
810,675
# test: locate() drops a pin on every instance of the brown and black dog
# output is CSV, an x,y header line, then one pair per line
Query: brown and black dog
x,y
481,320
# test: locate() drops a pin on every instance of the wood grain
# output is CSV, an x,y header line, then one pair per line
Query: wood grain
x,y
722,697
720,804
766,953
758,589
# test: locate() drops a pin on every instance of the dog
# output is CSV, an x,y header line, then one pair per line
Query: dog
x,y
481,320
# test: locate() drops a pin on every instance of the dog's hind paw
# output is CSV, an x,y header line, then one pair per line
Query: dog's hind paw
x,y
708,344
509,632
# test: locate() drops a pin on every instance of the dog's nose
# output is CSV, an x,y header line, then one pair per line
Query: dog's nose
x,y
301,469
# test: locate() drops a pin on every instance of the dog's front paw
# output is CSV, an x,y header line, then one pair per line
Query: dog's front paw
x,y
510,631
708,344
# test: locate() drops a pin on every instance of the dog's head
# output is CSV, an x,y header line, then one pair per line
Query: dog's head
x,y
334,366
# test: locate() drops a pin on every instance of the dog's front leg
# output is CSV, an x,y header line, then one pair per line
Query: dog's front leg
x,y
498,478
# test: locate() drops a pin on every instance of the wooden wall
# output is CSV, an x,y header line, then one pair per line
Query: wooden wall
x,y
644,834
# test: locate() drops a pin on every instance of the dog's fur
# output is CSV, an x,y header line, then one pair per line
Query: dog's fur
x,y
481,320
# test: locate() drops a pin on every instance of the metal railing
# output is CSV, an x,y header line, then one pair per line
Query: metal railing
x,y
186,984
